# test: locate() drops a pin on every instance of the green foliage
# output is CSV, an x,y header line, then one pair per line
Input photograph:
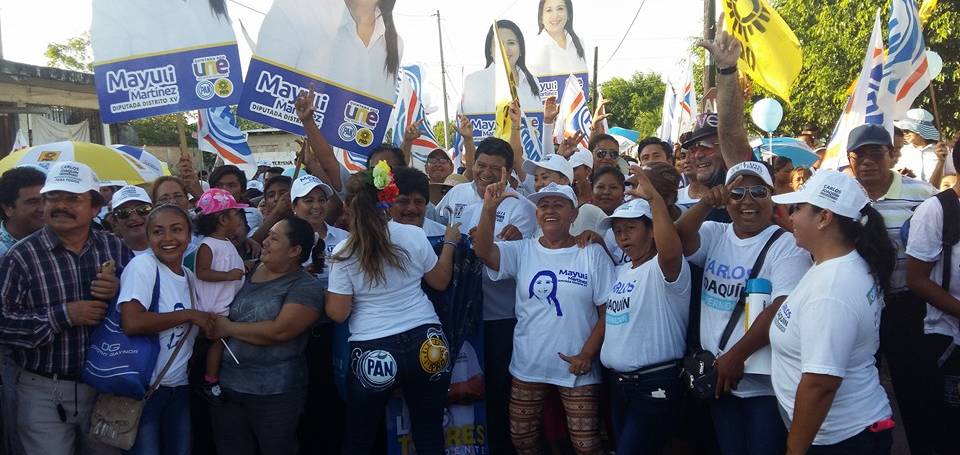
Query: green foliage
x,y
635,103
162,130
74,54
834,36
438,131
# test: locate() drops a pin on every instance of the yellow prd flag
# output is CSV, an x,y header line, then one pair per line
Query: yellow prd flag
x,y
505,88
771,54
926,10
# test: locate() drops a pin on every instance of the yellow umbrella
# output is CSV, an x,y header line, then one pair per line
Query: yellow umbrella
x,y
109,164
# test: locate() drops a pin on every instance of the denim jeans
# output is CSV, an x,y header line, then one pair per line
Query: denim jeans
x,y
165,423
864,443
418,362
645,411
749,426
497,350
247,424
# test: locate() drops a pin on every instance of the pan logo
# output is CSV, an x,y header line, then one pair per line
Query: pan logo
x,y
375,370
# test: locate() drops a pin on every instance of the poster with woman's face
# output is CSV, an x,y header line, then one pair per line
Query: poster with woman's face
x,y
349,51
557,50
153,58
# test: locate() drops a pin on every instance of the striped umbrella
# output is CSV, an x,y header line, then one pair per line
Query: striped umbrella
x,y
799,153
155,167
109,164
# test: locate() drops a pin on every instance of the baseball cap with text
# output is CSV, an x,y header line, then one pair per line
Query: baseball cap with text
x,y
71,177
831,190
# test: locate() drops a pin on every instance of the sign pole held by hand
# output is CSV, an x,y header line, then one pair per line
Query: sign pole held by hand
x,y
304,149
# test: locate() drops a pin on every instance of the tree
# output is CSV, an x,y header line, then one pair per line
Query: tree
x,y
162,130
438,129
834,37
74,54
635,103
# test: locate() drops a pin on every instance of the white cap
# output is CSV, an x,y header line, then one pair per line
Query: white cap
x,y
830,190
263,163
304,184
255,185
633,209
554,190
554,163
754,168
71,177
104,183
129,193
582,157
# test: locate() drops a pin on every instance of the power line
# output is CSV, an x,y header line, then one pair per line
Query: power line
x,y
635,16
248,7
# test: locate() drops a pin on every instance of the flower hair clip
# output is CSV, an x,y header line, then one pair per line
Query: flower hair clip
x,y
387,190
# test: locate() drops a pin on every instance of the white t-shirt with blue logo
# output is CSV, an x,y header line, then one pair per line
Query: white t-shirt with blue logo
x,y
463,205
830,325
557,293
136,283
646,317
726,261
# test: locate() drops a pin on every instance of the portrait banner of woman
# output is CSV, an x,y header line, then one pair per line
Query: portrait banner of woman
x,y
151,58
556,51
479,88
348,51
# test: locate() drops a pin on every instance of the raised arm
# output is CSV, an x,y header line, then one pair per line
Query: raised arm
x,y
483,244
550,112
465,128
734,143
688,226
669,248
410,134
515,142
305,108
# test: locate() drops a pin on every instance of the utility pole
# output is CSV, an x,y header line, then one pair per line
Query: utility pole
x,y
709,33
443,83
595,96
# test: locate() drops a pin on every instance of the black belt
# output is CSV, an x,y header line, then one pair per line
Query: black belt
x,y
55,376
636,374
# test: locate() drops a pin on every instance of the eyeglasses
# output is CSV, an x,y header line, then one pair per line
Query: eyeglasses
x,y
756,192
704,147
611,153
436,161
176,197
875,154
69,198
142,210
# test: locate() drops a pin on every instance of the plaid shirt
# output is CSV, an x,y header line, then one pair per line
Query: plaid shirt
x,y
38,277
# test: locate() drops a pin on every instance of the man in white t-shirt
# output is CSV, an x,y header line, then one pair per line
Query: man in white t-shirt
x,y
411,204
747,421
925,277
515,220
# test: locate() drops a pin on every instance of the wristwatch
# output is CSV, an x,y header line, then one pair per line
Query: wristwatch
x,y
727,71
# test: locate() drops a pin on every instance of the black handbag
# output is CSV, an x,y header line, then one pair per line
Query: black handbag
x,y
697,368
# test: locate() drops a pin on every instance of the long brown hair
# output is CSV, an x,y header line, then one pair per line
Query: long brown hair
x,y
369,237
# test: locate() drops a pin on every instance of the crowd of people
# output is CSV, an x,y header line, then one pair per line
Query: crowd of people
x,y
602,279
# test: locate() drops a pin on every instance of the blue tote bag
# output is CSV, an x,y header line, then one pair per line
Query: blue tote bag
x,y
119,364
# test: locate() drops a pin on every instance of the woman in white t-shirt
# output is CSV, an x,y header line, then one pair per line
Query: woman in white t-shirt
x,y
308,198
166,416
560,291
646,322
825,336
745,415
396,340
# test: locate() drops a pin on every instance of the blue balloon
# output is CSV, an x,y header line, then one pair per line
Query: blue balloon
x,y
767,114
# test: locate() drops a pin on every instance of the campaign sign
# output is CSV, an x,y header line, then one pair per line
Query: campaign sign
x,y
176,81
484,125
348,119
554,85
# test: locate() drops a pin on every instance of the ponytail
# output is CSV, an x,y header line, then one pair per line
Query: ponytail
x,y
369,237
872,243
392,64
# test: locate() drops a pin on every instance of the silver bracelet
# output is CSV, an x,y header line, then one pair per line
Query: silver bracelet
x,y
447,242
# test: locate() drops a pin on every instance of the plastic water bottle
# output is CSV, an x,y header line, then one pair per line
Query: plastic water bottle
x,y
759,292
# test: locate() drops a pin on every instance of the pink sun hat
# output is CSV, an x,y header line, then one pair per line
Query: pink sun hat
x,y
217,200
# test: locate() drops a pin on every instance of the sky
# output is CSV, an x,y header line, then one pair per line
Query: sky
x,y
661,36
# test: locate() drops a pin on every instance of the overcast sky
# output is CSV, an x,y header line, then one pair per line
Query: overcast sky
x,y
661,36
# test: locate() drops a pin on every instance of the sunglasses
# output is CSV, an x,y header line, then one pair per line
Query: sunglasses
x,y
604,153
756,192
142,210
874,155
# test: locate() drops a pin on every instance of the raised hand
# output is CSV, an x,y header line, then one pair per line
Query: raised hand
x,y
304,105
464,126
717,196
725,49
570,144
550,110
495,193
412,131
452,233
598,118
514,111
642,186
